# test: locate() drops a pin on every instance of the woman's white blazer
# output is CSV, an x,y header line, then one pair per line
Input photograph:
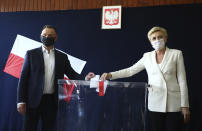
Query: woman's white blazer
x,y
168,86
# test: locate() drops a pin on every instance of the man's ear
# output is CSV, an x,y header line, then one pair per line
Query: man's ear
x,y
56,38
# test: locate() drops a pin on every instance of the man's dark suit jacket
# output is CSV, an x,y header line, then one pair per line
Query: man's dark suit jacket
x,y
31,82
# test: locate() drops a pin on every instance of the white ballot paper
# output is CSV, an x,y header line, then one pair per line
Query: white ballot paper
x,y
94,83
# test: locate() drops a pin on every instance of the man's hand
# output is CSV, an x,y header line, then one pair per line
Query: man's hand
x,y
105,76
186,114
89,76
21,107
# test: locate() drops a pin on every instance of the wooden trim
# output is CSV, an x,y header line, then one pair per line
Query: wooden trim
x,y
52,4
57,5
75,4
35,5
39,4
116,2
43,5
98,3
10,7
6,6
31,5
47,5
22,5
108,2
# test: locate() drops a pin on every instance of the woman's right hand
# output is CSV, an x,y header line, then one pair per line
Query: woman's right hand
x,y
105,76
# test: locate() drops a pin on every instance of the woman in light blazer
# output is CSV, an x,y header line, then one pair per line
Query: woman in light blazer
x,y
168,94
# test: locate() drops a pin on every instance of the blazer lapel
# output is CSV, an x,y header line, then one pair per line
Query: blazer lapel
x,y
156,66
41,59
165,59
56,60
56,68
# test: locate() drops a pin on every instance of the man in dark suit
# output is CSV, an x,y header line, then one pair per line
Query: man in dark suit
x,y
37,95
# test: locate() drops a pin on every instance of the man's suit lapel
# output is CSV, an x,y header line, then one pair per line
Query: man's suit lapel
x,y
56,68
56,60
41,59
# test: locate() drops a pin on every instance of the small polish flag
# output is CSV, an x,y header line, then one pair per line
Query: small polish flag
x,y
68,90
21,46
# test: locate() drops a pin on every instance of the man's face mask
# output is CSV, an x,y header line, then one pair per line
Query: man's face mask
x,y
47,41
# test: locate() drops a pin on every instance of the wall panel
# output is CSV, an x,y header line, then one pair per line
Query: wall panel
x,y
47,5
11,4
99,3
61,3
31,5
27,5
67,5
6,6
75,4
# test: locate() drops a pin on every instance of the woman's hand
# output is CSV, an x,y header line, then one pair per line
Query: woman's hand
x,y
105,76
186,114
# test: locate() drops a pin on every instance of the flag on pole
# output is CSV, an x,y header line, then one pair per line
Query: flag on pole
x,y
21,46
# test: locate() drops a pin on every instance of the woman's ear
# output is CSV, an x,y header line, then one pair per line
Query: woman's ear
x,y
165,39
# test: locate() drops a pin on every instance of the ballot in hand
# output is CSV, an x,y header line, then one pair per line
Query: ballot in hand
x,y
105,76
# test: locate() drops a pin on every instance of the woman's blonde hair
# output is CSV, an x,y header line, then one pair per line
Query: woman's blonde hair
x,y
155,29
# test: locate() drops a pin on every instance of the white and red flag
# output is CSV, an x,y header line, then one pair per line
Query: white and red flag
x,y
21,46
16,59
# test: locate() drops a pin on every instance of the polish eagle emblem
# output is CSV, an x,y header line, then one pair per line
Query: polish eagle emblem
x,y
111,17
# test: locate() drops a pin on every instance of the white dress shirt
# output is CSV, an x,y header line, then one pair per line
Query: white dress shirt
x,y
49,68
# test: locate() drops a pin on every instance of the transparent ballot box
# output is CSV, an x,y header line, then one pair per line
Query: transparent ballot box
x,y
101,106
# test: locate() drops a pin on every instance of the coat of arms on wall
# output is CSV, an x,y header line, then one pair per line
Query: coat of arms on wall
x,y
111,17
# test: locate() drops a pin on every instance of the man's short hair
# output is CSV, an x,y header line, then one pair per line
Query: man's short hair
x,y
49,26
155,29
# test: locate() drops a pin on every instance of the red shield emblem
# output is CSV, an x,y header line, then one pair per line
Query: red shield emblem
x,y
111,16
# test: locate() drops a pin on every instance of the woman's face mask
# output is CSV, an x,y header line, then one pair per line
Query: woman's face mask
x,y
158,44
158,40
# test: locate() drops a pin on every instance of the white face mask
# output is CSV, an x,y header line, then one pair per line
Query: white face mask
x,y
158,44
